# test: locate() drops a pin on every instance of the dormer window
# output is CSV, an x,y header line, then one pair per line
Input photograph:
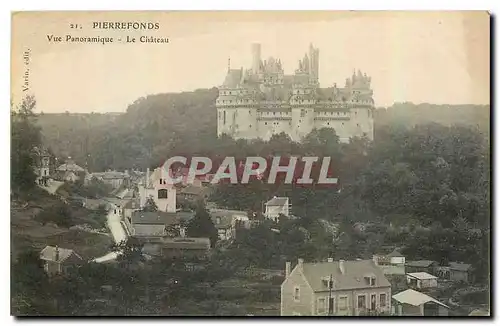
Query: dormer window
x,y
327,282
370,280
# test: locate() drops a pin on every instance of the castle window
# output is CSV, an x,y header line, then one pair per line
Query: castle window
x,y
249,111
274,113
357,124
250,126
342,123
328,123
265,123
162,194
224,117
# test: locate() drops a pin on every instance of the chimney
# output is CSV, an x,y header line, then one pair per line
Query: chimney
x,y
330,260
57,253
342,266
375,260
288,267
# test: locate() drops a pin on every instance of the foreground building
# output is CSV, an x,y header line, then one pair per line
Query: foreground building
x,y
340,288
263,101
414,303
59,260
180,247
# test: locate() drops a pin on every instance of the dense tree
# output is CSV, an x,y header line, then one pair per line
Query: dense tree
x,y
29,286
25,137
59,214
202,226
150,205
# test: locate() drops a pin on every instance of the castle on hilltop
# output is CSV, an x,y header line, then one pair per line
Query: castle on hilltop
x,y
263,101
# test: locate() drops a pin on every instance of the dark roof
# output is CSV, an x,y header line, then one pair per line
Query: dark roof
x,y
154,218
420,263
459,266
352,278
395,253
193,190
179,243
49,253
133,204
185,216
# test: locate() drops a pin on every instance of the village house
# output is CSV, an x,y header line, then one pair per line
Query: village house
x,y
421,280
69,171
181,247
193,193
428,266
414,303
155,185
277,206
460,272
114,179
59,260
42,165
226,222
335,288
155,223
392,263
130,207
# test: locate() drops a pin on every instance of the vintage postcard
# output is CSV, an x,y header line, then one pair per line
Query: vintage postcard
x,y
320,163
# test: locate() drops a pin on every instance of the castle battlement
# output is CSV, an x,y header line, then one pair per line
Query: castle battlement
x,y
262,101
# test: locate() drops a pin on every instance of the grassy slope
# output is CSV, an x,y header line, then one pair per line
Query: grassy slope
x,y
26,232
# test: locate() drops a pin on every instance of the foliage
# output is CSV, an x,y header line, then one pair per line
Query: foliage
x,y
29,285
150,205
201,225
25,136
60,214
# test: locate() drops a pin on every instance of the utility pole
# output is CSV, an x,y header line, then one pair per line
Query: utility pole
x,y
330,303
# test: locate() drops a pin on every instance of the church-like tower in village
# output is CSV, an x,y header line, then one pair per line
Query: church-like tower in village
x,y
262,101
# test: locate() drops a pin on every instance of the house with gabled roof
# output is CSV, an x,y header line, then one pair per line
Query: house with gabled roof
x,y
59,260
277,206
414,303
225,221
421,280
414,266
392,263
460,272
335,288
156,223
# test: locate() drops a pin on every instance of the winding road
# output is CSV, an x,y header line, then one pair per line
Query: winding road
x,y
117,231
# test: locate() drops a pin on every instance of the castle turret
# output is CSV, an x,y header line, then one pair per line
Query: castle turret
x,y
314,64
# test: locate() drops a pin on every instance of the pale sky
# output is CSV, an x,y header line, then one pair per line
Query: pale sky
x,y
434,57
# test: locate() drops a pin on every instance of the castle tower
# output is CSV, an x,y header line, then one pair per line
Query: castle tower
x,y
255,58
314,64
